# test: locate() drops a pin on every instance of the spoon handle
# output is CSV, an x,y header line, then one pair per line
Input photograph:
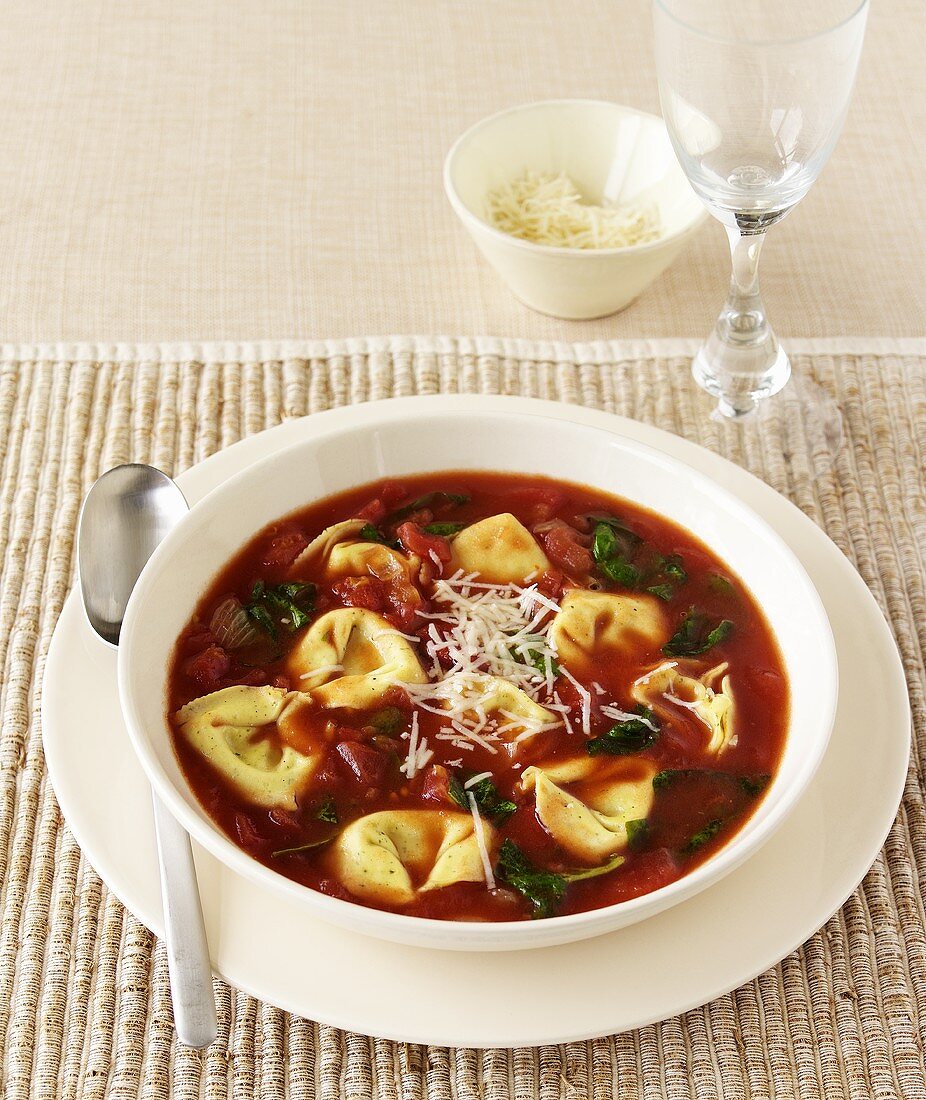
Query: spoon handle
x,y
187,951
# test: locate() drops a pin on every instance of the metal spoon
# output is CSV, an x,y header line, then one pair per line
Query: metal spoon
x,y
126,514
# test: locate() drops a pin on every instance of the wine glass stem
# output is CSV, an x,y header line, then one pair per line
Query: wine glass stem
x,y
741,361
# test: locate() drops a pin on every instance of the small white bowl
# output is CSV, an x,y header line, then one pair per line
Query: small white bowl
x,y
611,153
406,437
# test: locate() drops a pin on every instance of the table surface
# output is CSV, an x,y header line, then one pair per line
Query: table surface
x,y
84,993
235,171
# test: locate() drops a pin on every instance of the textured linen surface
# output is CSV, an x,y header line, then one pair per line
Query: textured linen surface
x,y
84,998
223,169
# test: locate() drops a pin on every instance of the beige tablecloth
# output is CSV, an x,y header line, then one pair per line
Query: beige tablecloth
x,y
188,169
84,997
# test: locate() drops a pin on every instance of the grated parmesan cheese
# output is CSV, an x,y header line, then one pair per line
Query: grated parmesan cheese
x,y
479,833
486,631
322,670
625,716
549,209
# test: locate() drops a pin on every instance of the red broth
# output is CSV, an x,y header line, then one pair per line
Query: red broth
x,y
700,800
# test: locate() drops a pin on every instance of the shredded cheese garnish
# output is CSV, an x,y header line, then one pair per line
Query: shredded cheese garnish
x,y
418,752
586,696
477,779
478,632
479,833
626,716
647,676
548,209
322,670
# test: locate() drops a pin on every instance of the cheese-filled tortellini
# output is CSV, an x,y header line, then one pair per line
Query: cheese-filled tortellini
x,y
589,623
350,657
709,697
226,726
359,559
585,804
510,704
321,546
393,855
500,549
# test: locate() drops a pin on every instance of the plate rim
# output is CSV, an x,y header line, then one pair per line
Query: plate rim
x,y
212,468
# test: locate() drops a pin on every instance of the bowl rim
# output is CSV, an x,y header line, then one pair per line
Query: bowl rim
x,y
468,215
402,927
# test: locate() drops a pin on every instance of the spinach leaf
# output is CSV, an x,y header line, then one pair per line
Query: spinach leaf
x,y
623,738
621,571
663,591
536,660
612,556
668,575
695,635
288,605
545,890
663,779
721,586
749,784
328,812
429,500
593,872
485,794
388,720
754,784
702,836
312,844
370,533
443,529
637,831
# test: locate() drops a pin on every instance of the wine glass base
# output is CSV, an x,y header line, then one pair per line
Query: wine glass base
x,y
739,394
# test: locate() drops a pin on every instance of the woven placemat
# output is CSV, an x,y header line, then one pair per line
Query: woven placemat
x,y
84,999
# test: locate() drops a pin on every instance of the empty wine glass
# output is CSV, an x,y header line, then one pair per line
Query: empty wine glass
x,y
754,94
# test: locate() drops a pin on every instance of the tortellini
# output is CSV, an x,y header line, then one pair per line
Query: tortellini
x,y
321,546
225,728
500,549
699,695
589,622
370,558
358,655
511,704
585,804
393,855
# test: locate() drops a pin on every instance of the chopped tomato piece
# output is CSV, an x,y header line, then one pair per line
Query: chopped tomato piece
x,y
248,833
653,870
535,503
392,492
334,889
436,784
285,548
403,601
373,511
564,548
209,667
199,638
550,583
417,541
366,592
422,517
368,765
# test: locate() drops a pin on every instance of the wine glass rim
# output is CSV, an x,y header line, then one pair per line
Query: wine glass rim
x,y
853,13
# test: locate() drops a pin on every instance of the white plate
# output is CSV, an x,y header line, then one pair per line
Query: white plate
x,y
658,968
